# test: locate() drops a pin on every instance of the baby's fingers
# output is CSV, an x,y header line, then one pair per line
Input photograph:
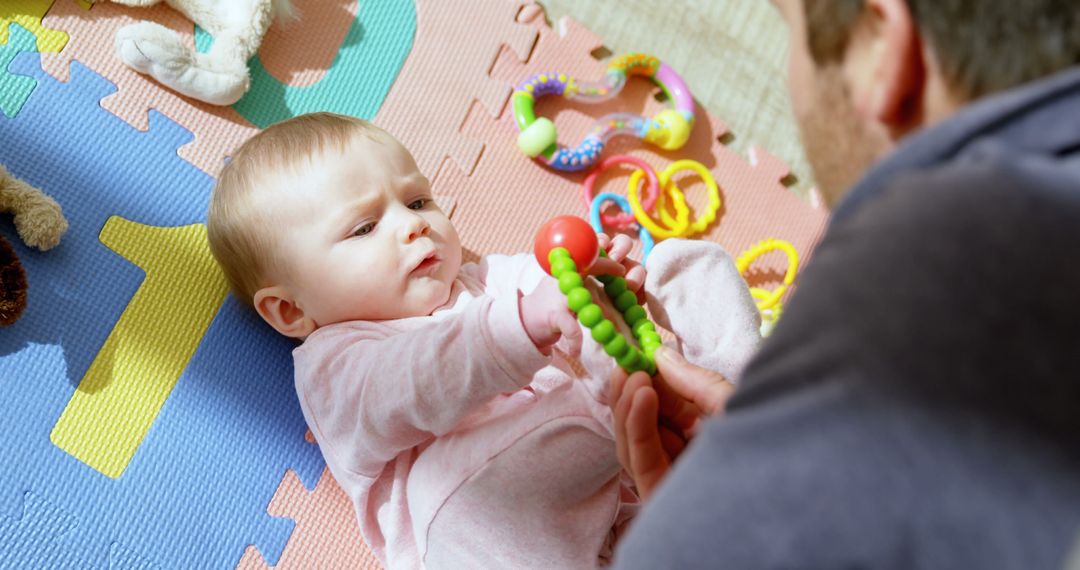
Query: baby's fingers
x,y
635,275
570,330
620,247
603,240
607,266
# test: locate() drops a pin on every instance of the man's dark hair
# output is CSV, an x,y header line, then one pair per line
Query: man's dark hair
x,y
982,46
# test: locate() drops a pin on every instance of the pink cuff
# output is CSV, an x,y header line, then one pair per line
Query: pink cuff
x,y
510,345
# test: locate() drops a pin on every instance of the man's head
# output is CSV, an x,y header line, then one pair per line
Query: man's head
x,y
323,218
864,74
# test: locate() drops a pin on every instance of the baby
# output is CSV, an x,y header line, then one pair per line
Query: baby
x,y
440,393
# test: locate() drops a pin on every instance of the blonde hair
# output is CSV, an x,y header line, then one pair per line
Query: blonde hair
x,y
235,223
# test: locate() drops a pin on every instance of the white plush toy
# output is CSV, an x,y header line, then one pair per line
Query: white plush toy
x,y
219,77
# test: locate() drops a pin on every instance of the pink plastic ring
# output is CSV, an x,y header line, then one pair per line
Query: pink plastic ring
x,y
648,200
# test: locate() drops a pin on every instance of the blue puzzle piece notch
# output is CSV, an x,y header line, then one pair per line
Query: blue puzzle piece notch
x,y
196,492
35,531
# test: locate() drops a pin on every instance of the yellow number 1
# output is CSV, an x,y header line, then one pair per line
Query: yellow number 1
x,y
136,369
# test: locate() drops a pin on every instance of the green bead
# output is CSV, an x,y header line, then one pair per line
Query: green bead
x,y
642,326
630,361
605,279
634,314
649,338
650,367
590,315
615,287
558,253
568,282
563,265
625,300
604,332
616,346
578,299
650,350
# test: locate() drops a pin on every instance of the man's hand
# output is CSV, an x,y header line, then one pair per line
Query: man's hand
x,y
656,417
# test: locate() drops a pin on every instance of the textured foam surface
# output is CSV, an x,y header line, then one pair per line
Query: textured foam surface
x,y
15,89
194,493
28,13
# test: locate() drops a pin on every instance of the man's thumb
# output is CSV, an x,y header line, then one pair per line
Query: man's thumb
x,y
708,389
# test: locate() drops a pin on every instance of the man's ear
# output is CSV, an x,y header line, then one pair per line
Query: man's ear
x,y
277,307
894,74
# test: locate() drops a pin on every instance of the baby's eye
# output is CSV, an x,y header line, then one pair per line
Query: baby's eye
x,y
364,229
418,204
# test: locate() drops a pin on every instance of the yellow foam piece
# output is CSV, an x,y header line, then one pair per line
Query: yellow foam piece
x,y
136,369
28,14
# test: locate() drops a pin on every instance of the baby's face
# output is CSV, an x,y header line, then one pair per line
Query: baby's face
x,y
362,238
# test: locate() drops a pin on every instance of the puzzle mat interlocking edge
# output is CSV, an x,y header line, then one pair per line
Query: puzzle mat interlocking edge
x,y
148,421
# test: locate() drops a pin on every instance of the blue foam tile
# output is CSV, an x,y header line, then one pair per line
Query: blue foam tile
x,y
33,531
196,492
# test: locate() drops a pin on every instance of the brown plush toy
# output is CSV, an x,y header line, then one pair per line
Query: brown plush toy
x,y
40,223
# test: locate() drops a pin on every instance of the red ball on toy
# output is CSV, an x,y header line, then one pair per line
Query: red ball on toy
x,y
571,232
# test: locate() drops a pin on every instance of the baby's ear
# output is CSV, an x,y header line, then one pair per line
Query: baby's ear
x,y
277,307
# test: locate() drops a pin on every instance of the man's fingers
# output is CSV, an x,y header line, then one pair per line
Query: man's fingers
x,y
618,380
675,408
708,389
620,408
672,442
648,461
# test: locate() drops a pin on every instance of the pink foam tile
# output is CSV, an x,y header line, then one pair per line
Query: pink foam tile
x,y
299,52
508,196
456,44
217,130
326,534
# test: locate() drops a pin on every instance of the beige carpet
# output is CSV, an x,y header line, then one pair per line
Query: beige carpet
x,y
732,53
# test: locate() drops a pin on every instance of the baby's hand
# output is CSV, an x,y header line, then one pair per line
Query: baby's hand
x,y
617,250
545,313
546,316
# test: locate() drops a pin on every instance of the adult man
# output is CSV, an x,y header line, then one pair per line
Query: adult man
x,y
919,404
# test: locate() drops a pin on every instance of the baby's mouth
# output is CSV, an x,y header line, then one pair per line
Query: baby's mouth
x,y
428,262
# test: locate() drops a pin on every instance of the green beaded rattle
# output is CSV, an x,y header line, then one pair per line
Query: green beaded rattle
x,y
561,246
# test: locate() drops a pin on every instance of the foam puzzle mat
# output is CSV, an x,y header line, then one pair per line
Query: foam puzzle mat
x,y
147,420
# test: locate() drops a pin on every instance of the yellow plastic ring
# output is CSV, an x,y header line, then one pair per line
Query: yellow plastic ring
x,y
703,221
669,188
767,299
677,226
679,199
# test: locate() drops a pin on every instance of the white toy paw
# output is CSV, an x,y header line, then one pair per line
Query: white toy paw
x,y
153,49
159,52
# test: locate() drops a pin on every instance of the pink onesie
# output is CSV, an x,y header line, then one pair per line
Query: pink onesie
x,y
462,446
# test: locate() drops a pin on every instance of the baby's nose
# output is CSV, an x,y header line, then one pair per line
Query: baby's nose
x,y
417,228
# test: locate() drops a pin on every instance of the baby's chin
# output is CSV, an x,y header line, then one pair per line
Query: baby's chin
x,y
440,298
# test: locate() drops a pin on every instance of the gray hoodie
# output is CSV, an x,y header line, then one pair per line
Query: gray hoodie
x,y
918,406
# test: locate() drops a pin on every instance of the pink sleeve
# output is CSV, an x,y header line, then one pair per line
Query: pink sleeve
x,y
372,394
506,274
